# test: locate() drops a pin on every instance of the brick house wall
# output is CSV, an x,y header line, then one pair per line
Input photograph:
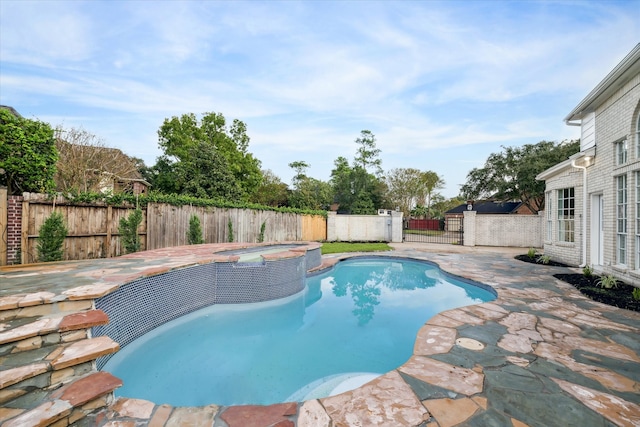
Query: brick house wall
x,y
608,115
567,252
615,120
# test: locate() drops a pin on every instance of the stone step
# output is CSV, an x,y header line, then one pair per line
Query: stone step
x,y
24,334
49,367
65,405
12,308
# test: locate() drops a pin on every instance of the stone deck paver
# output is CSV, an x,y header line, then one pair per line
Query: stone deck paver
x,y
549,356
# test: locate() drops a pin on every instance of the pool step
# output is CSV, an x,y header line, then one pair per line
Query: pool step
x,y
40,304
24,334
73,401
47,360
21,370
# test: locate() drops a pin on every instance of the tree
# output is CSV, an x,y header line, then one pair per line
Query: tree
x,y
128,229
409,188
511,174
300,168
341,183
199,150
429,182
359,188
403,185
207,174
308,193
86,164
28,154
51,238
194,234
271,192
367,155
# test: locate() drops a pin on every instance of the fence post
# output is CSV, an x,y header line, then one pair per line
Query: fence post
x,y
3,226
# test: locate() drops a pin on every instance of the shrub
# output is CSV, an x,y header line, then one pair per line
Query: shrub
x,y
607,282
128,230
531,253
262,229
636,294
230,229
194,235
544,259
587,271
51,238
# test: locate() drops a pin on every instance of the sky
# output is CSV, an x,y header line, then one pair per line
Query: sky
x,y
441,84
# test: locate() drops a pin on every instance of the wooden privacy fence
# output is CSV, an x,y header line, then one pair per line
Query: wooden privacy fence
x,y
168,225
93,228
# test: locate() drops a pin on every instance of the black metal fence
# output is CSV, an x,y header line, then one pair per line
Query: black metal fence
x,y
433,231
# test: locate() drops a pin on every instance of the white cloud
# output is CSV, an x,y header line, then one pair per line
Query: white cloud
x,y
432,80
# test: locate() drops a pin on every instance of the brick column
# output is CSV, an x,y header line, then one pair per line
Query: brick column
x,y
14,229
469,228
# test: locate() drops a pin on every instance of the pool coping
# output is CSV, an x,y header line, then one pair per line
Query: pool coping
x,y
545,344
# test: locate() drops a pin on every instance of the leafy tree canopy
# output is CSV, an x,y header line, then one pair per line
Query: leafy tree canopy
x,y
28,154
511,174
308,193
359,188
409,187
195,149
272,191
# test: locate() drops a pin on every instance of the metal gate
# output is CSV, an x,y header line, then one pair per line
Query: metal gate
x,y
433,231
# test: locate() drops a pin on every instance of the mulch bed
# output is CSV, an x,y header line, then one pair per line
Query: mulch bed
x,y
527,258
621,296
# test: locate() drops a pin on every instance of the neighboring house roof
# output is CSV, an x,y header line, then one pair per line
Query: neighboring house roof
x,y
11,110
620,75
488,207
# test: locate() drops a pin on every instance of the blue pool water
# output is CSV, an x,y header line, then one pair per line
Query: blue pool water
x,y
351,324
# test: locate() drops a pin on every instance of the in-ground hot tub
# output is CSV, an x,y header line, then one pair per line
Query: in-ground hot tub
x,y
268,272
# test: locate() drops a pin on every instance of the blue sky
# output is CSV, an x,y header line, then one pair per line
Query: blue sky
x,y
441,84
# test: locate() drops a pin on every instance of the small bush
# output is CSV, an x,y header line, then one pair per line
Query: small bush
x,y
51,238
587,271
194,235
607,282
531,253
128,230
544,259
263,227
636,294
230,229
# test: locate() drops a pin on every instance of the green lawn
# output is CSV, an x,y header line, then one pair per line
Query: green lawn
x,y
425,232
340,247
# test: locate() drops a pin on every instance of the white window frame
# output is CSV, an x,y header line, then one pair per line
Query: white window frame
x,y
549,209
637,222
622,152
638,138
566,212
621,219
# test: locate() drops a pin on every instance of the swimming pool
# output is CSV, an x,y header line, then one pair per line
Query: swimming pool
x,y
350,324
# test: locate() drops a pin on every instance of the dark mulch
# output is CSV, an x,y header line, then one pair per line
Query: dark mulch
x,y
536,260
621,297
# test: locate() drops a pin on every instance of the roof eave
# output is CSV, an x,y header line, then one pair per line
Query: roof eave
x,y
629,66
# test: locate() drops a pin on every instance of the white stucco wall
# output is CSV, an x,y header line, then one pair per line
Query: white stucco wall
x,y
503,230
364,228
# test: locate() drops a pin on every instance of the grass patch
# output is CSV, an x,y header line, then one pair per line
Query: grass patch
x,y
425,232
341,247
